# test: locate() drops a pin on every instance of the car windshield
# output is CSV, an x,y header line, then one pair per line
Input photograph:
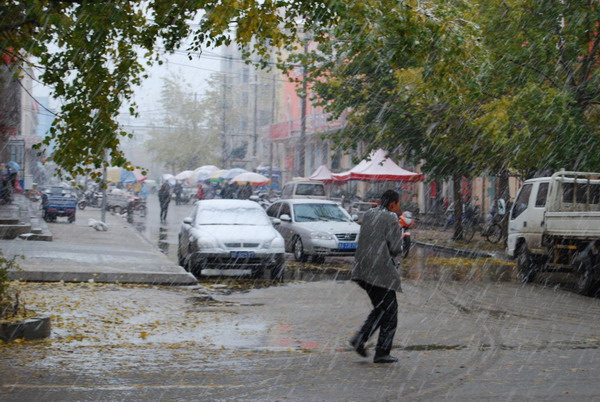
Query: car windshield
x,y
57,191
310,189
319,212
213,215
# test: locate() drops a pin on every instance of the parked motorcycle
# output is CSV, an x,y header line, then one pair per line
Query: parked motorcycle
x,y
406,222
90,198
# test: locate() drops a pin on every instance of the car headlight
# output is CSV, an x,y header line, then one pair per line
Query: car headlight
x,y
321,236
206,243
276,242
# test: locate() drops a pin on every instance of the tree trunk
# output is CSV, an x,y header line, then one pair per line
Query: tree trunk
x,y
504,193
456,184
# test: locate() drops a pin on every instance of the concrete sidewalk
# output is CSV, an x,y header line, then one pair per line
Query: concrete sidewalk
x,y
79,253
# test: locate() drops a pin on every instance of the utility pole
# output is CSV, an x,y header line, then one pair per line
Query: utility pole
x,y
223,124
104,185
255,123
270,139
302,153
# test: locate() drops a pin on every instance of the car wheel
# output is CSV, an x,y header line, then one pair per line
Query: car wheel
x,y
585,279
71,218
525,267
181,259
117,209
299,254
194,269
257,273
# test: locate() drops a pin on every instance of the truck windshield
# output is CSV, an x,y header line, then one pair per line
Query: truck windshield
x,y
522,201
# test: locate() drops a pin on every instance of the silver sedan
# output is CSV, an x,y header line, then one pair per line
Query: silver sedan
x,y
315,228
230,235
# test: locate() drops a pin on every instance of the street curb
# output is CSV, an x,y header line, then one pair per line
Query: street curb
x,y
34,328
457,251
152,278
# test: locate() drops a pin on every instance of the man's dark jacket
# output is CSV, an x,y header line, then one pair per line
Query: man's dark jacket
x,y
380,240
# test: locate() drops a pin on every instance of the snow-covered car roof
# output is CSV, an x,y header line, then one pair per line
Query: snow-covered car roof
x,y
228,204
309,201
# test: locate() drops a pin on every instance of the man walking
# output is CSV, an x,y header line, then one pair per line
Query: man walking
x,y
164,197
375,271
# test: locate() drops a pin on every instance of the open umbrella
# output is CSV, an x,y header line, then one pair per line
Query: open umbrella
x,y
131,176
202,175
256,179
207,168
168,178
231,173
185,175
218,175
13,165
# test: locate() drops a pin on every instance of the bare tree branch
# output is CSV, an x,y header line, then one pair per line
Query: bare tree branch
x,y
537,70
589,62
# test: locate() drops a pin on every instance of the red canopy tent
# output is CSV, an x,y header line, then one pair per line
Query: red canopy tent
x,y
378,168
322,174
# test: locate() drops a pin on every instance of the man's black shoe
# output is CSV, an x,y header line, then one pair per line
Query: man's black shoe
x,y
358,348
385,359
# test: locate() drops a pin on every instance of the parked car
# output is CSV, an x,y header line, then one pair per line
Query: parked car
x,y
315,228
304,189
230,234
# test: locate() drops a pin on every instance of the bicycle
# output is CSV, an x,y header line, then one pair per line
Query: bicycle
x,y
493,231
469,227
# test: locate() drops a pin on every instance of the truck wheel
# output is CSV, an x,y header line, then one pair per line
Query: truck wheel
x,y
585,279
525,266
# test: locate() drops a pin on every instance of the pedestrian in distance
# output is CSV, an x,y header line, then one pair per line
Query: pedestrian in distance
x,y
375,270
178,190
200,192
164,197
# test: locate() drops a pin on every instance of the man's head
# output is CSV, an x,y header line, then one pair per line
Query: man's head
x,y
390,200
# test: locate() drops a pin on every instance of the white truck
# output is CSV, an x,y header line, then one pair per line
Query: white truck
x,y
555,227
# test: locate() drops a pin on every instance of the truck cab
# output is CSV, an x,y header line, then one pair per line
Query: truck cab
x,y
526,224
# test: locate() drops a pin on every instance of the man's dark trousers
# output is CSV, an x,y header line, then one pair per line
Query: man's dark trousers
x,y
383,316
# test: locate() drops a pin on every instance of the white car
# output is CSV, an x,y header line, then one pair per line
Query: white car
x,y
316,228
230,235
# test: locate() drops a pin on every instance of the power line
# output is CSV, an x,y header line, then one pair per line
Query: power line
x,y
35,100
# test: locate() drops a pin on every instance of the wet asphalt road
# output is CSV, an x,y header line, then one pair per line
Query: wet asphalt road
x,y
460,341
